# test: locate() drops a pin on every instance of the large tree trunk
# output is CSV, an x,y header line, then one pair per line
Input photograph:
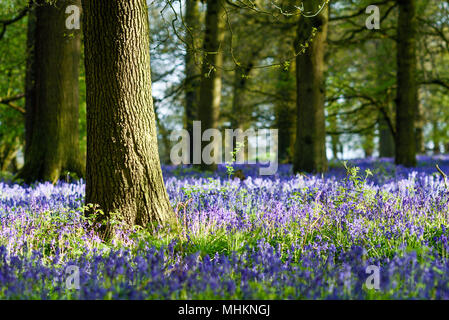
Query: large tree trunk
x,y
52,103
123,170
192,70
210,89
310,151
407,91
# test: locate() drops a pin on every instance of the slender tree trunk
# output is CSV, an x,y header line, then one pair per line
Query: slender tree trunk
x,y
285,104
241,116
310,153
368,144
436,138
210,88
407,92
335,138
285,113
192,70
52,103
8,152
241,111
164,147
386,133
123,174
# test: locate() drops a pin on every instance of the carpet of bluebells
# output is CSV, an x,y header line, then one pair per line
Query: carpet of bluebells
x,y
273,237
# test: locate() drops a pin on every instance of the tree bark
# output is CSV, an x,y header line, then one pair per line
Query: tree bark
x,y
123,174
211,82
52,102
310,151
192,70
407,91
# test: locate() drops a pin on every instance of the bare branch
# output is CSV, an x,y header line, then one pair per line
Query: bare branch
x,y
9,102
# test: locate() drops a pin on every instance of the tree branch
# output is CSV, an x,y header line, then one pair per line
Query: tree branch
x,y
8,101
6,22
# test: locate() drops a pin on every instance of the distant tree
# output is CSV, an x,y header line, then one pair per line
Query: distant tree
x,y
407,89
285,86
211,82
13,26
192,70
123,173
310,150
285,113
52,95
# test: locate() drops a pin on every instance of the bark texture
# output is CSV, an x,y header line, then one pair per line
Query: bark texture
x,y
52,102
310,151
407,91
211,82
123,170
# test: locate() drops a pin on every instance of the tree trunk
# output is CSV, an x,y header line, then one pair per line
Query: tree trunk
x,y
210,88
368,144
335,138
241,116
192,71
30,88
386,139
407,91
385,122
419,128
241,111
52,103
8,152
436,138
285,113
164,147
310,153
285,88
123,174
